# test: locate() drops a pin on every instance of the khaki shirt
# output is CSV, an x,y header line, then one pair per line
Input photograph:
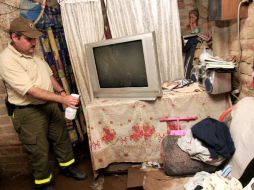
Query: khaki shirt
x,y
20,72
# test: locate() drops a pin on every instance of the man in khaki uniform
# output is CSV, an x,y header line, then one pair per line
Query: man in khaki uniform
x,y
31,88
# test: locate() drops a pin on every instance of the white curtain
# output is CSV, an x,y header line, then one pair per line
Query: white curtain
x,y
83,23
129,17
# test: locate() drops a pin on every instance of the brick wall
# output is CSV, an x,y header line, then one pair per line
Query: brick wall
x,y
225,41
229,40
13,160
247,41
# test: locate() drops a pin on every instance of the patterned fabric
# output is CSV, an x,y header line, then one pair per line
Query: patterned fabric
x,y
130,130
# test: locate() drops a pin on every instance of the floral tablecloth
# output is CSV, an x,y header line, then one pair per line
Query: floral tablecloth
x,y
130,130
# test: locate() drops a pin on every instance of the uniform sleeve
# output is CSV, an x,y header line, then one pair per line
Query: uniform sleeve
x,y
14,75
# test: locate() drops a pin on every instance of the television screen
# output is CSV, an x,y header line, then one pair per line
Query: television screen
x,y
121,65
124,67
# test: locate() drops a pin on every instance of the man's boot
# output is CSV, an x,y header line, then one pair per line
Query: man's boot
x,y
74,173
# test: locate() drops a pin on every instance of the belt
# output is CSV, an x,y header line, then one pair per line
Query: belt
x,y
30,106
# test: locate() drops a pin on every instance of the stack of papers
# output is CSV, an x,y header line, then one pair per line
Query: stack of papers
x,y
217,63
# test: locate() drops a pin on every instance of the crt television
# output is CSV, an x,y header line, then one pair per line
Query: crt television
x,y
124,67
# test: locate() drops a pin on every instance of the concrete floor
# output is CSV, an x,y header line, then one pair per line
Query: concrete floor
x,y
25,182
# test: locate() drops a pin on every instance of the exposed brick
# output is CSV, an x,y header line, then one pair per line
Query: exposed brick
x,y
16,169
181,4
13,159
7,134
19,164
189,4
3,110
247,40
246,68
23,150
246,91
5,120
6,125
9,139
2,88
2,98
7,129
11,150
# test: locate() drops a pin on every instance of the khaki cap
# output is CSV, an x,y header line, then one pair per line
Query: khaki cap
x,y
26,27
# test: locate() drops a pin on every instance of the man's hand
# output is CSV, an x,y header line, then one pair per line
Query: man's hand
x,y
45,95
70,101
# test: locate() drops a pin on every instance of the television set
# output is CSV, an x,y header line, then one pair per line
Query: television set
x,y
124,67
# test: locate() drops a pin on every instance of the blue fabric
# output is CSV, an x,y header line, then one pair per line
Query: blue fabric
x,y
215,136
31,11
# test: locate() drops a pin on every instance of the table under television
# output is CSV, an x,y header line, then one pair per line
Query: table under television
x,y
130,130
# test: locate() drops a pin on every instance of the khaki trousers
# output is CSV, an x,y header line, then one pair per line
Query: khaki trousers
x,y
35,126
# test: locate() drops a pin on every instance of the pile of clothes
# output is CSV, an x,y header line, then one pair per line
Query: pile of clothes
x,y
208,141
216,181
205,147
